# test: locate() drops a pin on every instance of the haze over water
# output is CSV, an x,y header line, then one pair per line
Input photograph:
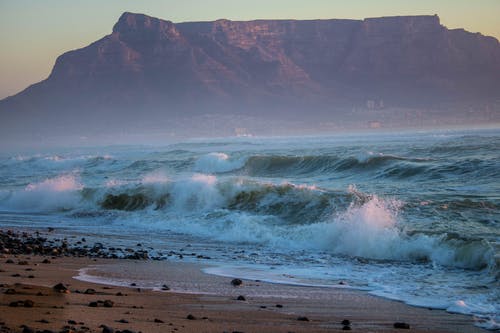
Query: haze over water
x,y
413,217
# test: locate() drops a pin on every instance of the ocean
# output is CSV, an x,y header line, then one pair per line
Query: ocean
x,y
406,216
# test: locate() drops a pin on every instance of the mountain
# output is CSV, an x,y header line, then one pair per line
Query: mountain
x,y
155,75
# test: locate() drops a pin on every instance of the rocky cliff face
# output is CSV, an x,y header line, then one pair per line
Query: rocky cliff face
x,y
149,68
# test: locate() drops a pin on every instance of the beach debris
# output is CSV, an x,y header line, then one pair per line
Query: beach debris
x,y
93,304
402,325
241,298
346,322
279,306
46,261
61,288
303,318
346,328
158,321
165,287
72,322
190,317
236,282
22,262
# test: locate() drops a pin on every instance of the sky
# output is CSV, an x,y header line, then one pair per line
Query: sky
x,y
33,33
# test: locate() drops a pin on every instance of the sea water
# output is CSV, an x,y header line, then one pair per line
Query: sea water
x,y
407,216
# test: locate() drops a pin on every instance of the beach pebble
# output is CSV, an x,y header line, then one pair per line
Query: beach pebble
x,y
236,282
46,261
28,303
241,298
89,291
303,319
346,328
9,261
107,329
93,304
27,329
191,317
61,288
10,291
123,321
401,325
158,320
279,305
165,287
346,322
108,303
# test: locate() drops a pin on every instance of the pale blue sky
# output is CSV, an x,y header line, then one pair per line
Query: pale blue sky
x,y
34,32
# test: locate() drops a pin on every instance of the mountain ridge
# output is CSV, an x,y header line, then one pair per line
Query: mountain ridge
x,y
165,71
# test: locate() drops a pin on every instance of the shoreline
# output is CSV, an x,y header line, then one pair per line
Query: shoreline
x,y
187,300
138,309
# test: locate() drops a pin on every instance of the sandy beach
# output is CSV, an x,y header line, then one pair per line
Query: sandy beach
x,y
29,303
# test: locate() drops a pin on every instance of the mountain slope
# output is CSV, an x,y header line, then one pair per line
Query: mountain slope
x,y
153,73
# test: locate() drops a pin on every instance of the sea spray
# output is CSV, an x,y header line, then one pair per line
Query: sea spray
x,y
420,225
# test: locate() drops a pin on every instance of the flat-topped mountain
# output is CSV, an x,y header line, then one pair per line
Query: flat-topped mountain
x,y
152,73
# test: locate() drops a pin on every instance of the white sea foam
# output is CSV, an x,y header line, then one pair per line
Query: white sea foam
x,y
198,192
59,193
218,163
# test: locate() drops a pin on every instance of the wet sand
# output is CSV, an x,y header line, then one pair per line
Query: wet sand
x,y
213,308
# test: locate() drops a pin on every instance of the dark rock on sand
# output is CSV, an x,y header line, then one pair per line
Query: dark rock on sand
x,y
108,303
346,322
279,305
89,291
190,317
123,321
346,328
402,325
107,329
27,329
61,288
303,319
236,282
241,298
158,321
9,261
93,304
28,303
10,291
